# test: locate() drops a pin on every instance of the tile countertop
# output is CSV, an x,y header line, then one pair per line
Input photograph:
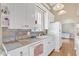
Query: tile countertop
x,y
19,43
22,42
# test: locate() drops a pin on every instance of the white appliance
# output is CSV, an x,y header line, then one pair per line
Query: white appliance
x,y
56,29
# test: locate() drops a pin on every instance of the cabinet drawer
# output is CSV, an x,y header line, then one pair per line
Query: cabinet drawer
x,y
23,51
15,52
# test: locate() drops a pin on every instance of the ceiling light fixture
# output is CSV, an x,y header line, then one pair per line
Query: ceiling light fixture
x,y
61,12
58,7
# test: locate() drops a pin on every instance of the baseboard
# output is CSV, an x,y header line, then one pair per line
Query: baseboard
x,y
55,50
51,52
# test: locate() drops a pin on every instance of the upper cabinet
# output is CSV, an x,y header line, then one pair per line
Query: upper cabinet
x,y
21,16
4,15
30,9
17,16
25,16
50,17
39,19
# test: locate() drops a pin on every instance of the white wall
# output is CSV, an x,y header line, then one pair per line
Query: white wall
x,y
0,28
68,27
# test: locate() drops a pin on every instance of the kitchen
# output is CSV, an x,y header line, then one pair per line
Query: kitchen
x,y
37,29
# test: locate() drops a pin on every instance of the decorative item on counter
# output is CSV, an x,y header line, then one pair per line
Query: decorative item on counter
x,y
28,33
4,16
7,21
4,20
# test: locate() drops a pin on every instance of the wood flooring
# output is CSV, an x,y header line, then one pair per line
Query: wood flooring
x,y
67,49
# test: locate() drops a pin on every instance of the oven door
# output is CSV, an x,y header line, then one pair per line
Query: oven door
x,y
36,49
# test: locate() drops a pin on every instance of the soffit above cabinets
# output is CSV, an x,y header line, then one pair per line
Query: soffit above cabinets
x,y
52,4
47,6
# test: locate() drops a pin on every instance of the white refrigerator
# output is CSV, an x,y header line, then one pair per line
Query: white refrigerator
x,y
55,29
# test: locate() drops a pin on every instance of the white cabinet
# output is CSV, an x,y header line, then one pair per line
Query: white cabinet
x,y
39,19
50,21
17,15
23,51
50,17
15,52
30,15
22,16
49,45
37,49
4,16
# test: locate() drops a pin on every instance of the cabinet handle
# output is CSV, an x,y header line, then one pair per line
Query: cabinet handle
x,y
26,25
49,42
21,53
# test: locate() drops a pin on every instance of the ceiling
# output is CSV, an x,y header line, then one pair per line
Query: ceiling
x,y
72,11
69,7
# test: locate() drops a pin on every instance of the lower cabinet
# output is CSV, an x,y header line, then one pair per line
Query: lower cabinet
x,y
41,48
23,51
49,45
37,49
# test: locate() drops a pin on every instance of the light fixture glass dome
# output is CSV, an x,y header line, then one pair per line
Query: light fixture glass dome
x,y
61,12
58,7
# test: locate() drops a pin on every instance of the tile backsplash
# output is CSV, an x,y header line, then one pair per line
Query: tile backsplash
x,y
22,34
15,34
8,35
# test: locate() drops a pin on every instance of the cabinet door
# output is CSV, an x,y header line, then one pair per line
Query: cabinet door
x,y
39,25
36,49
25,51
50,17
30,15
48,45
4,16
15,52
17,15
